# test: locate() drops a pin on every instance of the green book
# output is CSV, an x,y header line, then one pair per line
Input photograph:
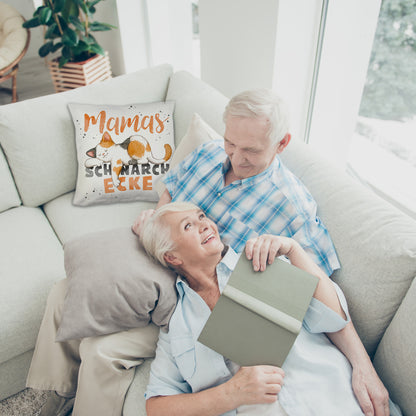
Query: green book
x,y
259,314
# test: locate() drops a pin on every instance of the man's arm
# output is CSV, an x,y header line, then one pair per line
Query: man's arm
x,y
368,388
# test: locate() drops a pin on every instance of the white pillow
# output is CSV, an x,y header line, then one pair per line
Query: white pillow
x,y
122,150
198,133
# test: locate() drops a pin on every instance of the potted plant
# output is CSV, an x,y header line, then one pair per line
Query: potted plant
x,y
68,32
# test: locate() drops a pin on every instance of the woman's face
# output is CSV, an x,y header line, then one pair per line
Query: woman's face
x,y
195,236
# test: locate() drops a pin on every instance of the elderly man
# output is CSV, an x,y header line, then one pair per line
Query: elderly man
x,y
246,190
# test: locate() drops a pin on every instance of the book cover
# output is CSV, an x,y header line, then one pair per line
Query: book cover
x,y
259,314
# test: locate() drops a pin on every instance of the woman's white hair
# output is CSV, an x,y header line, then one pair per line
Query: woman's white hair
x,y
261,103
156,235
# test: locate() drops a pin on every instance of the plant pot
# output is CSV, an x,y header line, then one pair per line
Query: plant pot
x,y
78,74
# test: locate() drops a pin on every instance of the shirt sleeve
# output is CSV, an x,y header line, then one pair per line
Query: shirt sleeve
x,y
172,179
315,240
319,318
165,378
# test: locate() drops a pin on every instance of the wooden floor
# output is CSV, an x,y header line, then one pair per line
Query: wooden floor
x,y
33,80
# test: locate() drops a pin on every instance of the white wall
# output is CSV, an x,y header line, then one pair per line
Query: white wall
x,y
170,33
262,44
238,42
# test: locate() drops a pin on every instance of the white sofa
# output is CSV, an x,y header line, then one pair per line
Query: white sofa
x,y
376,244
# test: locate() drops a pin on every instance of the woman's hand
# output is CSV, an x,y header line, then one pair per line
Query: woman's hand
x,y
264,249
141,219
255,385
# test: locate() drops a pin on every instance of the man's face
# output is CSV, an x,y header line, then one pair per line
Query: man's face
x,y
247,146
195,236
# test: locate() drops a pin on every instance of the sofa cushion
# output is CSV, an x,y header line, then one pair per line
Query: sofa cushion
x,y
31,259
374,241
70,221
198,133
113,286
394,359
134,403
9,196
192,95
122,150
41,150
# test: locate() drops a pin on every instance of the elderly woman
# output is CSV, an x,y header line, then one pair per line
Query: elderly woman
x,y
187,378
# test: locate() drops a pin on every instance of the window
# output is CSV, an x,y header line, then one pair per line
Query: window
x,y
383,147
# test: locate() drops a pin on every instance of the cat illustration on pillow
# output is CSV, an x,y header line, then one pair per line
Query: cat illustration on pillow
x,y
135,149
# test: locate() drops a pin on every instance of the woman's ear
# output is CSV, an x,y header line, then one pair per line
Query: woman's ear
x,y
170,258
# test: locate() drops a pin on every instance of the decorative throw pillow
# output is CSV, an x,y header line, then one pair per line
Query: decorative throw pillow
x,y
122,150
113,285
198,133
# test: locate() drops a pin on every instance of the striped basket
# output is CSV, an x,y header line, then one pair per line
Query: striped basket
x,y
78,74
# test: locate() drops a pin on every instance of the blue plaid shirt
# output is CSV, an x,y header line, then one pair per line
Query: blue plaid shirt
x,y
273,202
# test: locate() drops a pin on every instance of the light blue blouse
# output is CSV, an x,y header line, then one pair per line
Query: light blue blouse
x,y
317,375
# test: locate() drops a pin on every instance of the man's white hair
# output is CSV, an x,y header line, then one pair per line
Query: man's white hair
x,y
261,103
156,235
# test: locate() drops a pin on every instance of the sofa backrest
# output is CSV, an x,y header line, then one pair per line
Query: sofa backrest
x,y
191,95
376,245
8,192
375,242
38,136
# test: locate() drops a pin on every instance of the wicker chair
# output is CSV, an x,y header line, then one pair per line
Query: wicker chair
x,y
14,42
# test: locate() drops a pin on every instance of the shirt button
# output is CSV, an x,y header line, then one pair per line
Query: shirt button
x,y
219,194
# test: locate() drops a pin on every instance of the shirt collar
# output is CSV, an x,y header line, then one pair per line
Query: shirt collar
x,y
224,269
252,179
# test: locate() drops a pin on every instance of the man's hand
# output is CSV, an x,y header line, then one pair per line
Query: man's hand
x,y
264,249
255,385
141,219
370,392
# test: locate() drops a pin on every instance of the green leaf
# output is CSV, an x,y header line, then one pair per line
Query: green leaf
x,y
70,9
96,48
34,22
92,3
66,52
57,46
100,27
77,23
58,5
82,5
44,15
45,49
62,61
70,37
52,32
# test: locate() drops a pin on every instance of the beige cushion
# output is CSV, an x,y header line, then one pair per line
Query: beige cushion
x,y
394,359
9,196
134,403
41,151
375,242
198,133
113,286
70,221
